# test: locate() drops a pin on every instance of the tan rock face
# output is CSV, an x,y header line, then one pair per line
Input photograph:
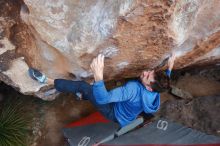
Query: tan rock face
x,y
61,37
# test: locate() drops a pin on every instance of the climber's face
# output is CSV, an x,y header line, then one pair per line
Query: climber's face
x,y
147,77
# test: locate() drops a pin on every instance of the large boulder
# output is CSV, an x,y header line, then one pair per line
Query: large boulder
x,y
61,37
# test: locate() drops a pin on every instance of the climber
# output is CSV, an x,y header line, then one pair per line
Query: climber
x,y
122,104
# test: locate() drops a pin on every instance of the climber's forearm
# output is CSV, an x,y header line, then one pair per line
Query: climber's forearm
x,y
168,73
170,68
98,77
171,62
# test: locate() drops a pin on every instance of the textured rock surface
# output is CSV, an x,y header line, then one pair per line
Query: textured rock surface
x,y
60,37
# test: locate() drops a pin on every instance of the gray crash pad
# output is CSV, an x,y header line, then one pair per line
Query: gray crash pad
x,y
89,134
164,132
158,132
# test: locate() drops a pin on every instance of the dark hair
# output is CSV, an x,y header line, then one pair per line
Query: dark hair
x,y
162,82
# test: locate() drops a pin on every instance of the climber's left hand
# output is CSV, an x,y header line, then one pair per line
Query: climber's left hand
x,y
171,61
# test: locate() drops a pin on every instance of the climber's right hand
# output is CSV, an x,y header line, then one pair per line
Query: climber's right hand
x,y
97,67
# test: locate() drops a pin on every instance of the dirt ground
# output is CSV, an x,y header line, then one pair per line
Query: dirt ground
x,y
50,117
56,115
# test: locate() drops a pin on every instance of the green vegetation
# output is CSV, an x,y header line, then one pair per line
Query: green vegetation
x,y
13,124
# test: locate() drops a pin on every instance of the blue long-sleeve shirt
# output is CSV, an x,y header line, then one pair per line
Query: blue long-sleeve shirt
x,y
128,100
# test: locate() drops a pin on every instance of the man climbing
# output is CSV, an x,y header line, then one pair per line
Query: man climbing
x,y
122,104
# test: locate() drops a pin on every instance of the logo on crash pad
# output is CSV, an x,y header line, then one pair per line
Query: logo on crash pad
x,y
84,141
162,125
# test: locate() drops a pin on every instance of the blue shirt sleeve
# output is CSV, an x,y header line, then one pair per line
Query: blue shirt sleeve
x,y
168,73
103,96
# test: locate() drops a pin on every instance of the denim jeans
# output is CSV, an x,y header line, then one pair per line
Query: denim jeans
x,y
68,86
